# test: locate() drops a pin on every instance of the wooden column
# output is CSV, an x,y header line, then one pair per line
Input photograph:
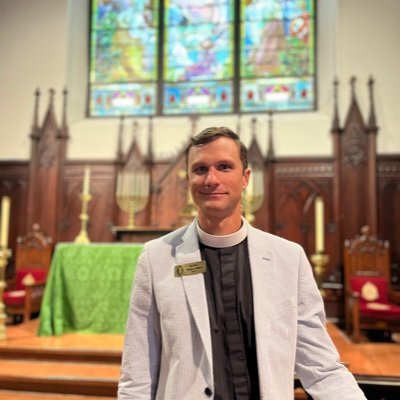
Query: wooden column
x,y
372,131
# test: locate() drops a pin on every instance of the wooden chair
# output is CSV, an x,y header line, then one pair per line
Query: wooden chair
x,y
370,304
24,292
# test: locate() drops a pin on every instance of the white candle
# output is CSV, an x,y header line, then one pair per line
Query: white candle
x,y
5,217
319,225
86,180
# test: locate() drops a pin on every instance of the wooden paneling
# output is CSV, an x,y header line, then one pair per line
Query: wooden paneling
x,y
389,209
13,183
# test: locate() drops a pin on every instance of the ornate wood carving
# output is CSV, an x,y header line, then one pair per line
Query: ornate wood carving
x,y
355,170
48,150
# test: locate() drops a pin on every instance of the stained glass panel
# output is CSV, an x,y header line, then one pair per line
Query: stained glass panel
x,y
277,66
198,97
198,56
123,57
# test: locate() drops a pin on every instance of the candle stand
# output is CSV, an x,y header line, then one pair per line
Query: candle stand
x,y
84,217
4,256
132,205
132,194
319,261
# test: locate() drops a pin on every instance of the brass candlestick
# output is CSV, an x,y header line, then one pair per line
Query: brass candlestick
x,y
84,217
5,254
319,260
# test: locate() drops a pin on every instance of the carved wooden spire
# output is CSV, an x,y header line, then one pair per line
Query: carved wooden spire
x,y
46,171
270,145
51,100
253,128
372,127
120,145
353,87
149,157
239,124
64,131
335,121
35,131
50,121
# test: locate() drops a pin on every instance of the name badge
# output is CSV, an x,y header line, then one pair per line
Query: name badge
x,y
198,267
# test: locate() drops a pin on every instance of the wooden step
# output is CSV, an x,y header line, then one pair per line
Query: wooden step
x,y
14,395
64,354
68,365
91,379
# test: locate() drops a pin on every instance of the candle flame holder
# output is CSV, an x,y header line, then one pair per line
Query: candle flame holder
x,y
133,190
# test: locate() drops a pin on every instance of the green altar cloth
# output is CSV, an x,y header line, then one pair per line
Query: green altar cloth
x,y
88,288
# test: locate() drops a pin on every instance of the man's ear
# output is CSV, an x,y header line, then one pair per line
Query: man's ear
x,y
246,177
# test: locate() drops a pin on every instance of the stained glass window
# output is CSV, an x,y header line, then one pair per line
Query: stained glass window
x,y
277,55
174,57
198,62
123,57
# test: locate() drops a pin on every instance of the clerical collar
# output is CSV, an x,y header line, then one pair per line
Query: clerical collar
x,y
224,240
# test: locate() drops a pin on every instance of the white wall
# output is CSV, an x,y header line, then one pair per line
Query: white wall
x,y
44,44
33,38
369,44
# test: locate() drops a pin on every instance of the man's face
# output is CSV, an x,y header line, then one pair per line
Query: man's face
x,y
216,178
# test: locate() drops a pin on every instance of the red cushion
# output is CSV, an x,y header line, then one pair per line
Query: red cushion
x,y
380,310
14,297
374,300
39,274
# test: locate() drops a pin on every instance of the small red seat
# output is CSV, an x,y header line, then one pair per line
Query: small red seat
x,y
374,300
370,303
23,295
25,277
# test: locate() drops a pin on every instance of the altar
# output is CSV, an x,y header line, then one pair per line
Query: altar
x,y
88,288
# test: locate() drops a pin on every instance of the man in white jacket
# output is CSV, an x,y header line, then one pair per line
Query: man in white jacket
x,y
222,310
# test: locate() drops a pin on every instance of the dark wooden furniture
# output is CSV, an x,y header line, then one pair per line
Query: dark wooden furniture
x,y
25,290
138,234
370,304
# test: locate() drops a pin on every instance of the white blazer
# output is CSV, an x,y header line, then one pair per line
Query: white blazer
x,y
168,352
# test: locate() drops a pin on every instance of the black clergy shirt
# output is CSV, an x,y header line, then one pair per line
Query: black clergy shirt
x,y
230,306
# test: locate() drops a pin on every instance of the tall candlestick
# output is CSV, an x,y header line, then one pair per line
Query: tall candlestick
x,y
86,180
319,225
5,216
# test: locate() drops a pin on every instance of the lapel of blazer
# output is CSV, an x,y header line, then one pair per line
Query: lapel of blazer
x,y
262,271
262,266
188,251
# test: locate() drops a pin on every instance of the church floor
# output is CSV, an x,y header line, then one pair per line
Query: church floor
x,y
86,367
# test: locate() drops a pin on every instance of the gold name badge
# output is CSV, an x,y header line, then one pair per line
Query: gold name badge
x,y
198,267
